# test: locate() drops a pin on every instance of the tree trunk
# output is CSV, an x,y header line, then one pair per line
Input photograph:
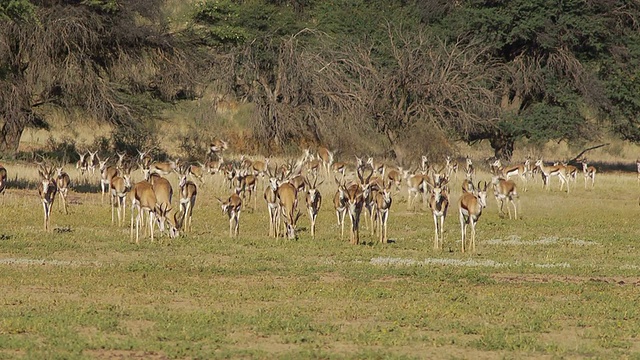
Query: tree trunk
x,y
502,146
10,134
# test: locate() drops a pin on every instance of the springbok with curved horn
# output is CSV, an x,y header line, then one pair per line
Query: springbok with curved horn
x,y
82,164
340,205
232,207
470,209
92,161
106,174
549,171
505,190
164,194
142,198
47,190
314,202
354,196
273,205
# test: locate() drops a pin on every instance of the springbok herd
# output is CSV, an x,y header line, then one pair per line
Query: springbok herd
x,y
360,185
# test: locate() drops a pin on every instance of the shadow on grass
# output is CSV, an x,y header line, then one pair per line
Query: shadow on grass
x,y
29,184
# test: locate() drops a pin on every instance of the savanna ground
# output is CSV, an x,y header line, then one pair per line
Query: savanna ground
x,y
560,282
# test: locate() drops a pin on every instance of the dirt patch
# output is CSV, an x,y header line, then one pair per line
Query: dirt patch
x,y
568,279
124,354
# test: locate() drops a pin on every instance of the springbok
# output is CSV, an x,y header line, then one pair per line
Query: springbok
x,y
232,207
287,195
549,171
382,206
439,204
314,202
470,209
3,181
119,186
326,156
340,205
82,164
164,194
188,194
63,181
273,205
47,190
143,198
92,161
354,196
106,174
505,190
589,173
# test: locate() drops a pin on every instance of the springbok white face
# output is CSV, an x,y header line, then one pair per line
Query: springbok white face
x,y
103,164
482,197
146,174
183,181
59,171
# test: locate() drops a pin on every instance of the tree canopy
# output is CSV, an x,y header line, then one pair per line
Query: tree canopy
x,y
390,77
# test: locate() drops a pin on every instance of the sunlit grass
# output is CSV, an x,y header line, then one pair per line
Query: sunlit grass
x,y
559,282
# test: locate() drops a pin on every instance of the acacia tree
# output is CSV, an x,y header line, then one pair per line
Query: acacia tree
x,y
98,56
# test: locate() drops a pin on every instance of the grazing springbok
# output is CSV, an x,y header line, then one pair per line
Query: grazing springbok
x,y
287,195
164,194
119,186
439,204
3,181
470,209
395,176
382,206
188,194
106,174
589,173
505,190
63,181
232,207
549,171
247,182
47,190
175,221
142,198
314,202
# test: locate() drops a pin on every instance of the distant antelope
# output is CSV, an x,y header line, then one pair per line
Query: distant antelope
x,y
218,146
143,199
120,162
119,186
314,202
505,190
469,169
415,187
106,174
232,207
188,194
196,171
470,209
175,221
247,184
144,159
63,181
451,167
590,173
92,161
326,156
3,181
163,168
47,190
515,170
382,206
340,205
548,171
395,176
82,164
439,204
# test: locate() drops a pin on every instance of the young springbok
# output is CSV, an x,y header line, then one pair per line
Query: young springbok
x,y
232,207
470,208
63,181
314,202
505,190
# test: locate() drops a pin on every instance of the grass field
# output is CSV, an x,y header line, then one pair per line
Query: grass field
x,y
561,282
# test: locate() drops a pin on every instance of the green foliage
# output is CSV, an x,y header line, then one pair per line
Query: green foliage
x,y
17,10
107,6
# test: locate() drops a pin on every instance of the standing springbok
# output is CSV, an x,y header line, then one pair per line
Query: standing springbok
x,y
548,171
188,193
439,204
470,209
142,198
3,181
63,181
92,161
106,174
164,194
119,186
47,190
340,205
354,196
273,205
82,164
232,207
505,190
326,156
590,173
382,206
314,202
287,195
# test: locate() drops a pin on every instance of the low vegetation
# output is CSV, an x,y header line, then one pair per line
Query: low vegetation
x,y
558,282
